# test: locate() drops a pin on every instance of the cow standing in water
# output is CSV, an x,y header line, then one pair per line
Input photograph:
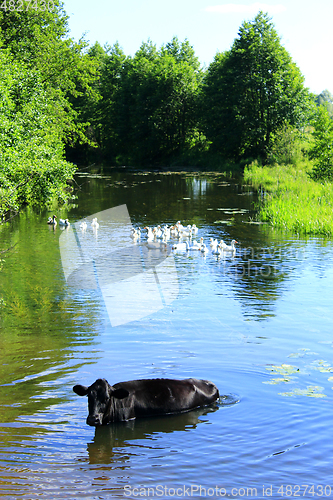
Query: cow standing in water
x,y
144,398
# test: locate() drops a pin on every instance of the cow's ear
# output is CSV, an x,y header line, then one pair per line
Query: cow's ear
x,y
80,390
120,393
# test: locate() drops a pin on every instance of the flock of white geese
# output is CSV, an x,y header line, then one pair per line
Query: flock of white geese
x,y
159,237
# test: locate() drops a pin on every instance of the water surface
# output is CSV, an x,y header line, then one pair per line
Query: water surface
x,y
258,324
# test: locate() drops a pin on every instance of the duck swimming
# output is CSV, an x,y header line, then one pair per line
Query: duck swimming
x,y
52,220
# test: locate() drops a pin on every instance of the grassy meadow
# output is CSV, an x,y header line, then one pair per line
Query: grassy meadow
x,y
291,200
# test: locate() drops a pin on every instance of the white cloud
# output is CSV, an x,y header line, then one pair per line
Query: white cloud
x,y
233,8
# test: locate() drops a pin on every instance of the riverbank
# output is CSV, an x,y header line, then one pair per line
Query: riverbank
x,y
291,200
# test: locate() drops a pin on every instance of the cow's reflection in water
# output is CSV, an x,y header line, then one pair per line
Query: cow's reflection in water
x,y
110,440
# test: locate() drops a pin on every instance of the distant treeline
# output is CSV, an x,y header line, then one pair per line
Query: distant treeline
x,y
63,103
161,108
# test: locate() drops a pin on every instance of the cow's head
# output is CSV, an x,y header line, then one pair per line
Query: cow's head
x,y
100,395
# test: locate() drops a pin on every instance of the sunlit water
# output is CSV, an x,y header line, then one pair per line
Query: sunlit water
x,y
259,325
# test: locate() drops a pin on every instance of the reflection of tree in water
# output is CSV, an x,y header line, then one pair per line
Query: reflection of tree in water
x,y
158,197
40,321
259,276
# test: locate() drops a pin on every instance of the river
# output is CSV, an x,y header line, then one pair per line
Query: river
x,y
259,324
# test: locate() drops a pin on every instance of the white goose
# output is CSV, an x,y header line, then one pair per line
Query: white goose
x,y
135,234
179,226
230,248
213,243
194,229
186,232
94,223
203,248
217,250
180,246
195,245
166,233
64,222
174,231
150,233
158,233
83,226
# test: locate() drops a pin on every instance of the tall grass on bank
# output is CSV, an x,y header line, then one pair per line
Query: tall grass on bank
x,y
291,200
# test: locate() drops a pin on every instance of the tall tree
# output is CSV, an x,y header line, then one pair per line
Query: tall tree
x,y
251,91
154,103
41,68
32,166
107,116
40,39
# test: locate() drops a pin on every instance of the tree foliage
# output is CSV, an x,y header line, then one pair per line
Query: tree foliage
x,y
32,165
251,91
148,111
321,151
41,70
108,121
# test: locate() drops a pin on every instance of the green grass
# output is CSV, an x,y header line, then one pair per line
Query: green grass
x,y
291,200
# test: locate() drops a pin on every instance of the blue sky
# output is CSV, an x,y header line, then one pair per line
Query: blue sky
x,y
305,28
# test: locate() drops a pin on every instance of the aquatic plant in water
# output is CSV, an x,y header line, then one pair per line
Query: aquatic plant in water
x,y
290,374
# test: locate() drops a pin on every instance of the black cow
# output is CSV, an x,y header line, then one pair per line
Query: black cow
x,y
144,398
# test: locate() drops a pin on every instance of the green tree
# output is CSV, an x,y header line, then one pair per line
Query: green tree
x,y
42,71
251,91
40,39
154,103
321,151
85,138
32,165
108,108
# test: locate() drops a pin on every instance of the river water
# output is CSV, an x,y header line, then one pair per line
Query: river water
x,y
259,324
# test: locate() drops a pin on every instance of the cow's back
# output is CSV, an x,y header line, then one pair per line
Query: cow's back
x,y
149,397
